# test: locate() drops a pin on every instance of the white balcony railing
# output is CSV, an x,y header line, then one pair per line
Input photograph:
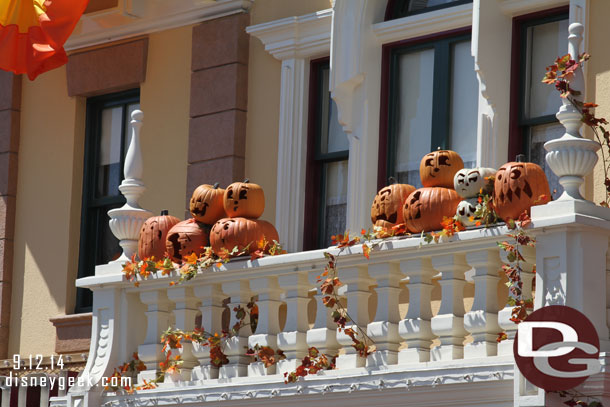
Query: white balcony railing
x,y
434,310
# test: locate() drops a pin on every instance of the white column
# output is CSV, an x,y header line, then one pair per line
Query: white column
x,y
211,297
384,328
491,49
416,327
268,324
293,339
157,317
448,324
482,320
292,153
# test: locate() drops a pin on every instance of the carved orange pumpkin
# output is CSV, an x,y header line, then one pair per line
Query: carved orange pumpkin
x,y
240,232
184,238
207,204
518,187
386,210
243,199
153,235
425,208
437,168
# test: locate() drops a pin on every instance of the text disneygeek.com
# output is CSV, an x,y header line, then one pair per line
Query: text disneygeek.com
x,y
63,383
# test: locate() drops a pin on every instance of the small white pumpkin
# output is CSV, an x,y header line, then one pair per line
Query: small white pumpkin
x,y
466,210
467,182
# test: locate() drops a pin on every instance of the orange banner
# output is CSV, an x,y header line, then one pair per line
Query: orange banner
x,y
33,32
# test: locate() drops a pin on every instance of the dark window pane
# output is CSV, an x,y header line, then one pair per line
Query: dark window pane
x,y
538,136
335,205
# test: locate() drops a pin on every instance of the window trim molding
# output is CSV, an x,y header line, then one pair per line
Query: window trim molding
x,y
392,5
424,24
386,115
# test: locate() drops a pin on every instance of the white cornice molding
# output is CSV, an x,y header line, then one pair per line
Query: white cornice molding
x,y
423,24
138,17
518,7
296,37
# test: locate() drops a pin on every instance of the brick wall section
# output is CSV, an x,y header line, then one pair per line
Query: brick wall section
x,y
219,98
10,106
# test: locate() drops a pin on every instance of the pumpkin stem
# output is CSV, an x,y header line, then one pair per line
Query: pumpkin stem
x,y
391,180
520,158
164,212
216,184
246,180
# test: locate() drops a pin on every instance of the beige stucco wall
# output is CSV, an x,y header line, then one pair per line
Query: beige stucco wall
x,y
264,98
598,79
52,129
50,181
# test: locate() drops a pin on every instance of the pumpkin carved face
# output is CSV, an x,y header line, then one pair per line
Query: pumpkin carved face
x,y
466,210
437,168
243,199
185,238
518,187
207,204
386,210
425,208
153,235
229,233
467,182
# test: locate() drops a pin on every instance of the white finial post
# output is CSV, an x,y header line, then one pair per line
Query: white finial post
x,y
126,222
572,157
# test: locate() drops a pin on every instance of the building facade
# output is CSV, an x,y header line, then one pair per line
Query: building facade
x,y
319,102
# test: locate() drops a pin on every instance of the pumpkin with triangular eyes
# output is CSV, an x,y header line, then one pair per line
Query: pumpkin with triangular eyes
x,y
153,234
185,238
386,211
244,199
469,182
519,186
230,233
437,168
207,204
426,207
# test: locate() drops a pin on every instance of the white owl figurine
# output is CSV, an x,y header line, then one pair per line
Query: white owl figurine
x,y
467,182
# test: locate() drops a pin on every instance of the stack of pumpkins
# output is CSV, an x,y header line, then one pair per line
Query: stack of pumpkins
x,y
210,206
517,187
244,203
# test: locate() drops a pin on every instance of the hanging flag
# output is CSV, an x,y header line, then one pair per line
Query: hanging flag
x,y
33,32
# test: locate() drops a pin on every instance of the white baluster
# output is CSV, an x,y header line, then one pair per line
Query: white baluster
x,y
482,320
323,335
356,288
240,294
185,312
211,297
126,221
157,318
527,277
293,339
268,325
448,324
384,328
415,328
